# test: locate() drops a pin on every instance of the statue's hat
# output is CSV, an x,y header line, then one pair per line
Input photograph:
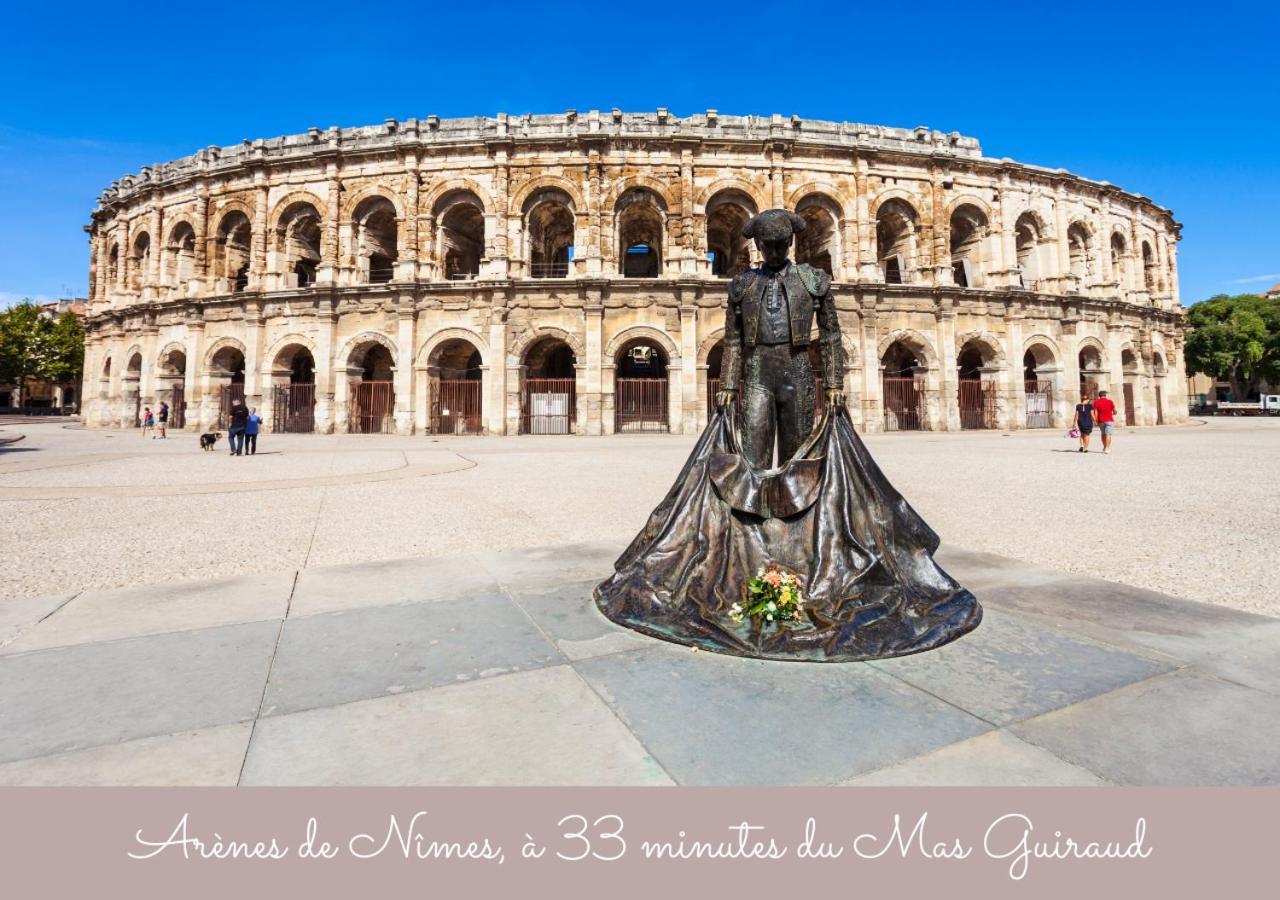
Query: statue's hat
x,y
773,225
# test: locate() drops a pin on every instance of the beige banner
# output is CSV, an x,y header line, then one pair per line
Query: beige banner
x,y
671,843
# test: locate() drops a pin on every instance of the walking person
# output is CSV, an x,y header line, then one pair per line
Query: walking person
x,y
239,416
163,420
148,421
251,431
1082,422
1104,410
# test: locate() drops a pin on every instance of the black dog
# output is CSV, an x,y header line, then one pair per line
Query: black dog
x,y
209,439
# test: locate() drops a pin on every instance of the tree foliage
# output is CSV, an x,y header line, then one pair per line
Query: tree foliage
x,y
34,345
1235,339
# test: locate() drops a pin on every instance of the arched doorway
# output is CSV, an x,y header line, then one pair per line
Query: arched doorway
x,y
896,223
902,384
729,252
1090,361
640,388
226,370
976,394
1129,366
371,371
298,241
549,229
1037,385
460,239
131,387
171,376
548,396
456,387
640,224
377,239
819,243
968,233
293,401
1160,370
232,251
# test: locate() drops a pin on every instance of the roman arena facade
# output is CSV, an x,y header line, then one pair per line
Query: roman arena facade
x,y
568,273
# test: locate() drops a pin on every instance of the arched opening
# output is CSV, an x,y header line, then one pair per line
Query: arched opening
x,y
640,223
232,250
715,363
902,382
976,389
1131,370
1037,383
895,240
371,373
1117,259
727,250
1027,239
461,237
549,227
1078,252
113,267
819,243
299,244
180,255
171,373
640,387
457,396
1159,369
377,239
968,231
226,372
1149,273
293,399
548,398
130,385
1090,361
139,261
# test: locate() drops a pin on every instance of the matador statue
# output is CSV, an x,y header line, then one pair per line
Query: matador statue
x,y
767,332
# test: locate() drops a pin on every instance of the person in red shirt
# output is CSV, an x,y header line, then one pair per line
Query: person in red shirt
x,y
1104,410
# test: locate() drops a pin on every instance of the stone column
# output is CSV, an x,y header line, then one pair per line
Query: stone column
x,y
686,387
406,321
948,380
1175,292
258,260
608,396
327,270
866,228
592,402
407,267
191,378
495,397
254,339
688,234
1016,389
200,263
872,399
152,279
326,407
1060,226
1008,239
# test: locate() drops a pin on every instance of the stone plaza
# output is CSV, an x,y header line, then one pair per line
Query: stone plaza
x,y
379,609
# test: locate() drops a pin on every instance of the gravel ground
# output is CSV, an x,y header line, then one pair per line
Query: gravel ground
x,y
1189,511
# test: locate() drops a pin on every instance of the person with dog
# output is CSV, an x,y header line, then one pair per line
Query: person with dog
x,y
251,431
239,416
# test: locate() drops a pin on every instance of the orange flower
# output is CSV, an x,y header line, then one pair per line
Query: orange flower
x,y
773,577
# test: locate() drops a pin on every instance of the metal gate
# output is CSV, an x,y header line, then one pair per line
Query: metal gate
x,y
372,408
548,406
293,408
1130,418
903,404
1089,388
456,406
1159,406
226,394
178,406
640,404
1039,404
977,403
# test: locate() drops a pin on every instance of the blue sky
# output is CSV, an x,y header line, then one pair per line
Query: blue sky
x,y
1177,102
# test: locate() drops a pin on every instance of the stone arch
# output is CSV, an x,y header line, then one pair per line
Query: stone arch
x,y
1091,350
439,191
669,199
531,187
216,348
895,193
913,340
227,207
827,191
284,203
1051,355
131,356
346,356
726,212
444,335
897,223
370,191
106,367
993,354
281,344
526,339
640,218
974,200
820,244
727,184
708,344
1130,359
164,357
643,332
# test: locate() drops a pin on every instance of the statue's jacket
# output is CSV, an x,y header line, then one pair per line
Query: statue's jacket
x,y
808,295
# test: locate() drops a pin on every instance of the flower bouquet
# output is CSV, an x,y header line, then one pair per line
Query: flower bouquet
x,y
772,597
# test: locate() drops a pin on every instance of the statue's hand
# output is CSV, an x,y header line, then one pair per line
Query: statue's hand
x,y
724,398
835,398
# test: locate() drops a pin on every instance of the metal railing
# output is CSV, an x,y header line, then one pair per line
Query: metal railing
x,y
549,270
548,406
1039,396
903,404
640,404
372,408
456,407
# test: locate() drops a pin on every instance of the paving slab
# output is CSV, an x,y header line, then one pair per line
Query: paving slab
x,y
17,614
569,617
715,719
1181,728
544,727
159,609
978,571
364,653
210,756
1010,669
996,758
389,583
71,698
544,567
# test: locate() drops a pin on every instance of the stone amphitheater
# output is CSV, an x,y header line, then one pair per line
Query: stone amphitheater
x,y
568,273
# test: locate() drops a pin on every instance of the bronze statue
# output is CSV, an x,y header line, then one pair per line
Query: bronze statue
x,y
768,323
825,523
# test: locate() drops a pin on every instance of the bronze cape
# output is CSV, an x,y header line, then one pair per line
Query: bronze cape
x,y
872,589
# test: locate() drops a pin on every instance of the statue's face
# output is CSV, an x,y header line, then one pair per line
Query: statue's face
x,y
774,252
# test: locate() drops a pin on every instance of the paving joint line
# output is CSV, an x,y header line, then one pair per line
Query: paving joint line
x,y
266,682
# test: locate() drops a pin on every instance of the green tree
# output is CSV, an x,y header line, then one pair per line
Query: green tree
x,y
64,362
34,345
1235,339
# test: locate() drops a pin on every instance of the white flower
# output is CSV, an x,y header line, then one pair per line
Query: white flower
x,y
770,617
772,607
